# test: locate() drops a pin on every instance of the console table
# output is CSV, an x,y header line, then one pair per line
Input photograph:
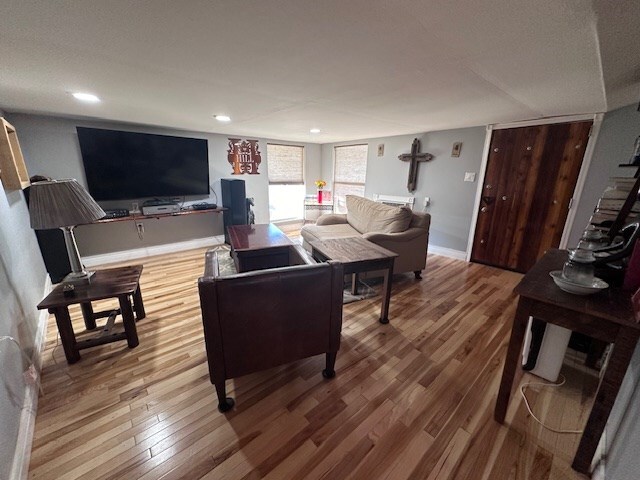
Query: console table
x,y
607,316
122,283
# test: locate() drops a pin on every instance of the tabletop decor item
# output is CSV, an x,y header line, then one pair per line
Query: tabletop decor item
x,y
320,184
568,286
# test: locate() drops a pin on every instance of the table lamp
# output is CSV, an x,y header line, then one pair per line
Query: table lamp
x,y
64,204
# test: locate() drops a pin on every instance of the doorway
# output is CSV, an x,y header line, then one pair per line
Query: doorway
x,y
528,186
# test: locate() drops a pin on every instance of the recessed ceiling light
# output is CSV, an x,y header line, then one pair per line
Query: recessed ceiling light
x,y
314,130
222,118
86,97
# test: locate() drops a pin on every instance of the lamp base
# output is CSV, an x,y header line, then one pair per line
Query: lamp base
x,y
78,278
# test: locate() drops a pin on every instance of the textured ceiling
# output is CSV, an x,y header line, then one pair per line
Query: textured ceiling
x,y
354,69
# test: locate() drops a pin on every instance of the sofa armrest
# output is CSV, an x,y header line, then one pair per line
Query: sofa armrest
x,y
406,236
331,219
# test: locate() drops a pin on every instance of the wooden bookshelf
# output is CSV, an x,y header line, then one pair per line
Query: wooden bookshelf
x,y
13,170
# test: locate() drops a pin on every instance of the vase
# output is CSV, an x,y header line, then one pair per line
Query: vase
x,y
319,196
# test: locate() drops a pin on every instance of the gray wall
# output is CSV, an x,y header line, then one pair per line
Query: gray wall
x,y
615,142
50,147
22,282
441,179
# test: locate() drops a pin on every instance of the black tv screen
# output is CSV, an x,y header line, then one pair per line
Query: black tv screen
x,y
126,165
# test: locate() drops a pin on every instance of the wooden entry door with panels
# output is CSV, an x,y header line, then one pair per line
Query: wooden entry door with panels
x,y
529,183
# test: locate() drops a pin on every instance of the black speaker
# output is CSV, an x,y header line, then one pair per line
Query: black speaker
x,y
234,199
53,249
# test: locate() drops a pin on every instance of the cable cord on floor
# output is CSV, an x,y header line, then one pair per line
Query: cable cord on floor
x,y
526,402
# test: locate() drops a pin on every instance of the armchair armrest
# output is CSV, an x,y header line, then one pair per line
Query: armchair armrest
x,y
331,219
211,264
407,235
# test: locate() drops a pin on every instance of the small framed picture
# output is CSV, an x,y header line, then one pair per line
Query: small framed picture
x,y
381,150
455,151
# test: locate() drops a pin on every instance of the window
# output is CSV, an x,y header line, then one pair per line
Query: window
x,y
349,173
286,182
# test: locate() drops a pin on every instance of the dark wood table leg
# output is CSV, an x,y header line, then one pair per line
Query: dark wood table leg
x,y
87,314
138,305
623,347
67,337
129,321
386,293
512,371
354,284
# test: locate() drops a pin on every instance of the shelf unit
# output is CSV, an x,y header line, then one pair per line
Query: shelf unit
x,y
139,216
13,170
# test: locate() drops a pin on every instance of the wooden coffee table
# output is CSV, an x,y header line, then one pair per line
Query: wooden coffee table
x,y
122,283
257,247
358,255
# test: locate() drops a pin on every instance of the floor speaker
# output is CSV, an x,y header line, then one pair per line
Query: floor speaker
x,y
234,199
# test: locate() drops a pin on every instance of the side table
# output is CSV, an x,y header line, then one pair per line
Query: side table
x,y
607,316
313,209
122,283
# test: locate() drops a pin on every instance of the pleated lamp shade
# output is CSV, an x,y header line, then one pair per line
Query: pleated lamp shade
x,y
61,203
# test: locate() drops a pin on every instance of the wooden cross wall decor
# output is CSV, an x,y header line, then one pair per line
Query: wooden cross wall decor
x,y
414,157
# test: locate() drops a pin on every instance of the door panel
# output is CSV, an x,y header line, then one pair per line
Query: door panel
x,y
530,179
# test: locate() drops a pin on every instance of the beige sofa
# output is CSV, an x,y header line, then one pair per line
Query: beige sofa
x,y
395,228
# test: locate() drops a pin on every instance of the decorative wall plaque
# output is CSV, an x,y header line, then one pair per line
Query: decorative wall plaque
x,y
244,156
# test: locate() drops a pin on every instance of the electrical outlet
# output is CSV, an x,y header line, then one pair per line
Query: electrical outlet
x,y
469,176
427,201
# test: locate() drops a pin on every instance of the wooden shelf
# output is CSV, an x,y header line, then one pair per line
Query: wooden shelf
x,y
159,215
13,170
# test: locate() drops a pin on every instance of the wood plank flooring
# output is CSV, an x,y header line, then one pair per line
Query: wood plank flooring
x,y
411,400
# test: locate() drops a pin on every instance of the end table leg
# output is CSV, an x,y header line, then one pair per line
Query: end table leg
x,y
623,348
129,321
386,293
67,337
354,284
87,314
138,305
512,370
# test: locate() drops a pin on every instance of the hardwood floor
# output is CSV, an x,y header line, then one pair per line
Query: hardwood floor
x,y
412,399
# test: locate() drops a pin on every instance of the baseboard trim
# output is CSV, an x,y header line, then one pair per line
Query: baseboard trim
x,y
22,454
125,255
447,252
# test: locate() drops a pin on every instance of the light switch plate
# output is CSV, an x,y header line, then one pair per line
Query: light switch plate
x,y
469,176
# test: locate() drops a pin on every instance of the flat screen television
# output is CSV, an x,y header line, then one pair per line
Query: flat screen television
x,y
127,165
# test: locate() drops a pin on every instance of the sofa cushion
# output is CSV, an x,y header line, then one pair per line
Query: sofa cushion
x,y
324,232
368,216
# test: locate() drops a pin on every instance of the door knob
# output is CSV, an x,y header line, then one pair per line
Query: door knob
x,y
504,197
488,186
555,202
482,240
483,209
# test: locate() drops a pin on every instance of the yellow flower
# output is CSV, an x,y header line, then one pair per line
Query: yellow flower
x,y
320,184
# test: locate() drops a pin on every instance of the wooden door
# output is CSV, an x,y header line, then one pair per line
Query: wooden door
x,y
530,179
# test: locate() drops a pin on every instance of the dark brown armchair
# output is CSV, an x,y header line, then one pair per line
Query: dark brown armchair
x,y
258,320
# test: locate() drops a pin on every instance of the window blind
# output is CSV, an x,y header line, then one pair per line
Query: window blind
x,y
286,164
349,173
350,164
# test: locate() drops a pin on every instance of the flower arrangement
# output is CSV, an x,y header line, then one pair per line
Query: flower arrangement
x,y
320,184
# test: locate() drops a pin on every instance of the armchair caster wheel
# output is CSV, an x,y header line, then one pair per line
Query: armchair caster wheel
x,y
328,373
226,405
418,274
